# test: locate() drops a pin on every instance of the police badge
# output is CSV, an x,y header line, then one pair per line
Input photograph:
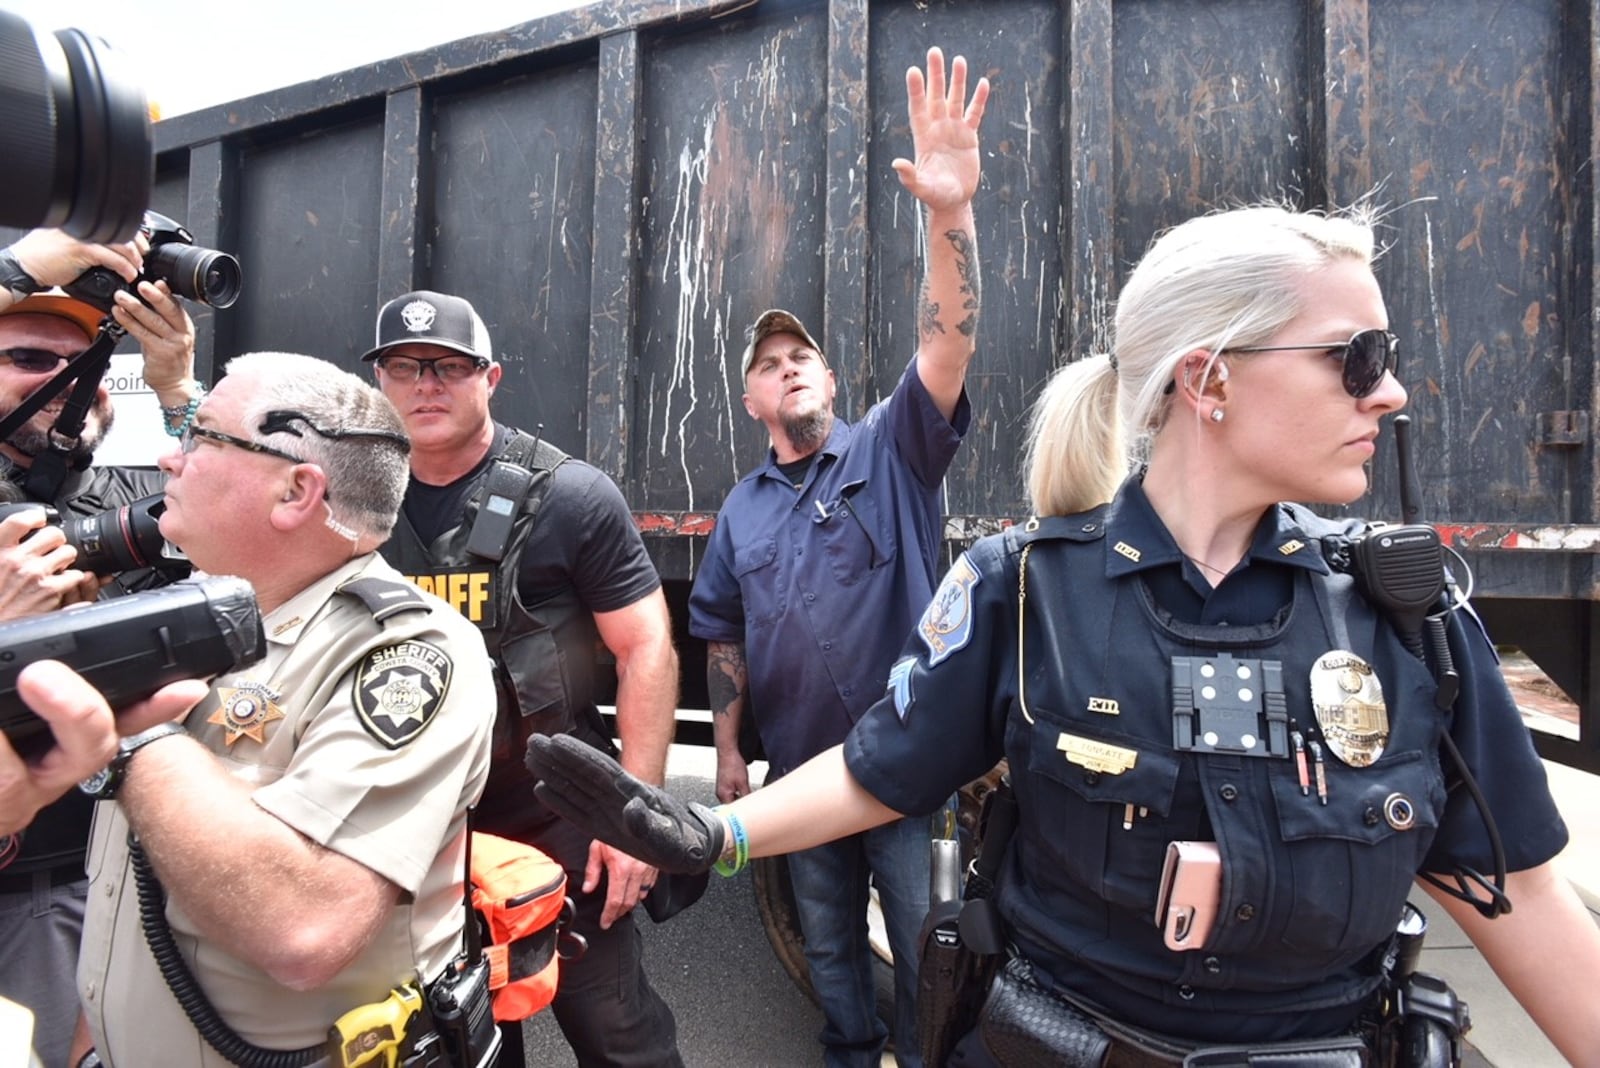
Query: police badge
x,y
245,710
399,689
1347,699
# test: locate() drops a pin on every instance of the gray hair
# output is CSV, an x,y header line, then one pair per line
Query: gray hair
x,y
1221,280
364,453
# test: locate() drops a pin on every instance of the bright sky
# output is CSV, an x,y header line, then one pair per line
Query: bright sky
x,y
191,56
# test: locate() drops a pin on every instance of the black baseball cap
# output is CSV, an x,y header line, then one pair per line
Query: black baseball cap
x,y
433,319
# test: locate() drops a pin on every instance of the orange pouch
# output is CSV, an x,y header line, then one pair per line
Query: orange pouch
x,y
520,895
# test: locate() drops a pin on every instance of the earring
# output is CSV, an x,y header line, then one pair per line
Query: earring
x,y
1216,415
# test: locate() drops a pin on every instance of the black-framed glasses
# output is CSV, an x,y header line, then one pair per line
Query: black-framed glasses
x,y
282,420
445,368
34,361
193,434
1367,357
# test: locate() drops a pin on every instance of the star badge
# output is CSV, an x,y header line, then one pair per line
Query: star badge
x,y
245,711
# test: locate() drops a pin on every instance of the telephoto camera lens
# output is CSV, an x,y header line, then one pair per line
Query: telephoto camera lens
x,y
76,139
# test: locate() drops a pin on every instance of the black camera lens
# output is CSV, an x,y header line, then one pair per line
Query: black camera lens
x,y
196,273
121,539
76,138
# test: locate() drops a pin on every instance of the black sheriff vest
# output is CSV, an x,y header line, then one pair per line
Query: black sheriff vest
x,y
1311,891
542,652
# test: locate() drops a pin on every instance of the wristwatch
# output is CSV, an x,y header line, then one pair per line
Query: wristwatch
x,y
103,784
14,276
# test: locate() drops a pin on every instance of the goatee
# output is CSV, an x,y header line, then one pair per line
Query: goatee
x,y
807,432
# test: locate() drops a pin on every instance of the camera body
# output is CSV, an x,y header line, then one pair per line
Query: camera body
x,y
119,539
191,271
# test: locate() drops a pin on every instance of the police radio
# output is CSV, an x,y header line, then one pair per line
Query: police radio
x,y
1400,569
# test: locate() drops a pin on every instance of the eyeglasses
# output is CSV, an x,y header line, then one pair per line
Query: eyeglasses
x,y
193,434
33,361
1367,357
445,368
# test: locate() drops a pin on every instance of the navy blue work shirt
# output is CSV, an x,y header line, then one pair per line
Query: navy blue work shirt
x,y
821,584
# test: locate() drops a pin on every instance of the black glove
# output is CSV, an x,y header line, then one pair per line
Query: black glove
x,y
591,790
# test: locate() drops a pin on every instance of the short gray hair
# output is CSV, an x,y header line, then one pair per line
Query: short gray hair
x,y
367,470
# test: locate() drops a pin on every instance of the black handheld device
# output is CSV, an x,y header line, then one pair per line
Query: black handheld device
x,y
129,647
503,493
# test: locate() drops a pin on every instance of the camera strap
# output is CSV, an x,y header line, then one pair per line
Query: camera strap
x,y
48,471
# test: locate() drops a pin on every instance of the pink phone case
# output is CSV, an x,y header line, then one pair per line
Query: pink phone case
x,y
1191,891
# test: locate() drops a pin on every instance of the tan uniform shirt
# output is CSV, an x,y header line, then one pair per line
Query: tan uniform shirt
x,y
368,738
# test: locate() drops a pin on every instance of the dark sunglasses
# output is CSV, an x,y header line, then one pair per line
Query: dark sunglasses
x,y
33,361
1367,357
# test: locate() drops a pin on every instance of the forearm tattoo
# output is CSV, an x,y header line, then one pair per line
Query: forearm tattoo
x,y
726,678
928,321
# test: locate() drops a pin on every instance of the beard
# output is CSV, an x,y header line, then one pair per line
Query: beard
x,y
34,438
807,431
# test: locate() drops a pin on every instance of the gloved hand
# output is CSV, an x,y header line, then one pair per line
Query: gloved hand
x,y
590,789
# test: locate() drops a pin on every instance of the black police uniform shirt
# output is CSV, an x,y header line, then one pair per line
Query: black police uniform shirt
x,y
1312,890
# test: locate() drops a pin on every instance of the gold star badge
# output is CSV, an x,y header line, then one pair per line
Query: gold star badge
x,y
245,711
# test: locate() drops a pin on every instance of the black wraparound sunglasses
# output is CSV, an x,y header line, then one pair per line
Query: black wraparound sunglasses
x,y
1366,357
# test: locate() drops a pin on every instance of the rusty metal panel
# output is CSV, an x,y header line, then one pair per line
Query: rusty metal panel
x,y
1019,214
509,227
734,192
1469,145
305,225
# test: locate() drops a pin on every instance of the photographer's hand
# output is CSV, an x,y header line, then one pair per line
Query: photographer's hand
x,y
165,334
85,733
35,567
55,257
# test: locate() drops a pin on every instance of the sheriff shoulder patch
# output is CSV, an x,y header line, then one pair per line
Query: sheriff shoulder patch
x,y
399,689
946,625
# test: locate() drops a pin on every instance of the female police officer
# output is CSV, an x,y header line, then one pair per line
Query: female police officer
x,y
1189,670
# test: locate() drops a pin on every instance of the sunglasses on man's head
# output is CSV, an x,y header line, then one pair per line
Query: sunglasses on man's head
x,y
1367,357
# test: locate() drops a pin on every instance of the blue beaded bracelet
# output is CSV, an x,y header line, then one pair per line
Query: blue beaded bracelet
x,y
183,414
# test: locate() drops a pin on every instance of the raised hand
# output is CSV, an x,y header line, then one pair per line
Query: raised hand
x,y
944,134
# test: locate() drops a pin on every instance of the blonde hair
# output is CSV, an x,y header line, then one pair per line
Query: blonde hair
x,y
1216,281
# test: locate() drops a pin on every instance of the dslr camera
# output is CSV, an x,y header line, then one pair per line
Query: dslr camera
x,y
117,540
191,271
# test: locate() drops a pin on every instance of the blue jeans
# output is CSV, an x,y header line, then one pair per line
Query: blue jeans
x,y
830,889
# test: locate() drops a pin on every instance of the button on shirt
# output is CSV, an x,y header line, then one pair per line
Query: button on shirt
x,y
822,585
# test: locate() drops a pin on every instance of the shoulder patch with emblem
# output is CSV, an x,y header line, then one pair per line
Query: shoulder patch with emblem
x,y
400,688
946,624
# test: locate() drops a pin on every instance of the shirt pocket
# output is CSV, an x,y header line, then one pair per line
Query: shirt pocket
x,y
853,540
755,568
1346,868
1105,832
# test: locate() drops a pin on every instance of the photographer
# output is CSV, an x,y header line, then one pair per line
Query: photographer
x,y
42,886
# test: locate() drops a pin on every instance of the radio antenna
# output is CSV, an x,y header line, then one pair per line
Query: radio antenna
x,y
1410,506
